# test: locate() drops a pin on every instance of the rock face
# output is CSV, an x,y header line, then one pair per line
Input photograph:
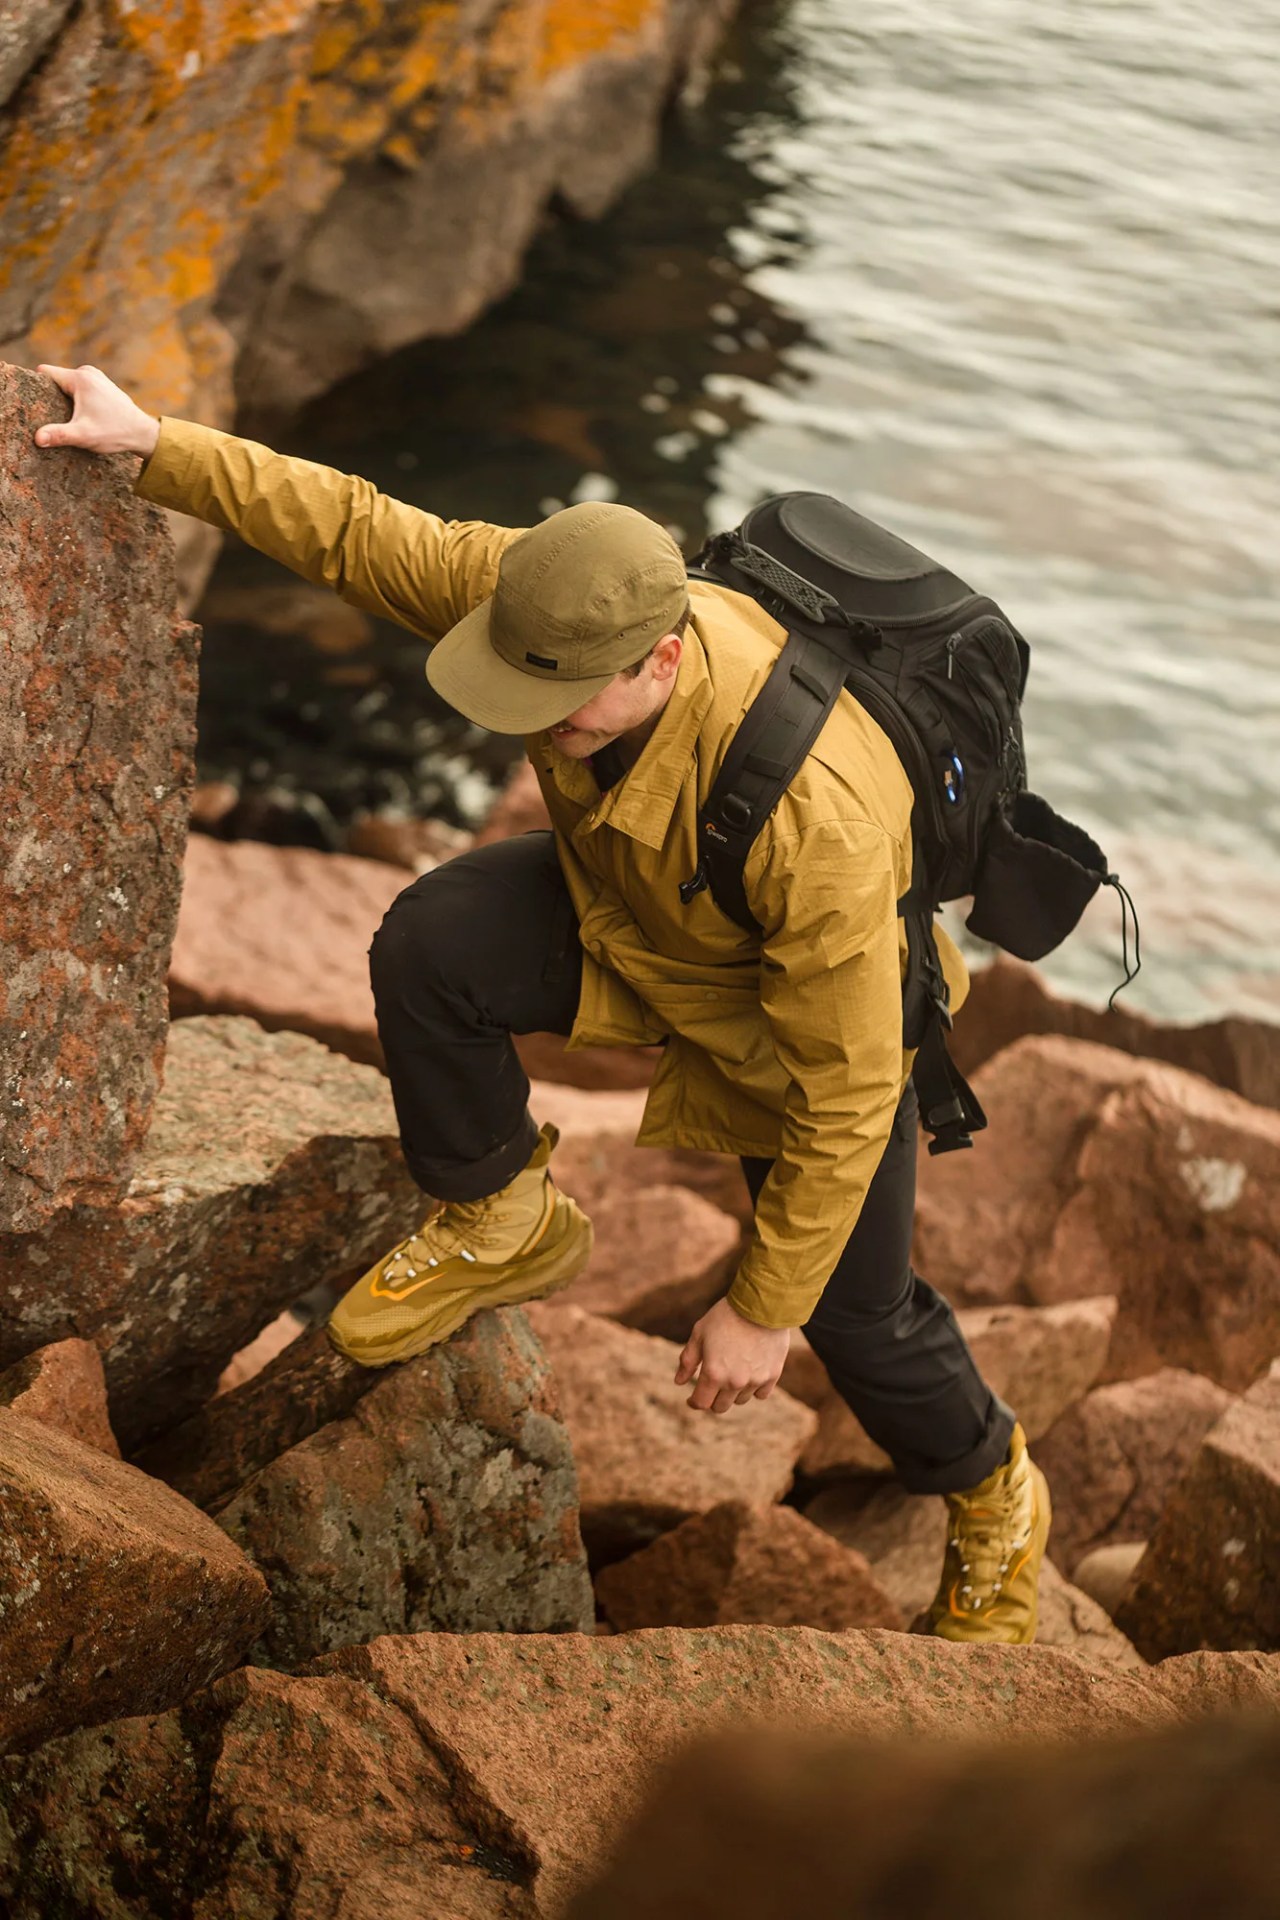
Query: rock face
x,y
271,1164
115,1595
744,1565
261,169
282,934
97,734
661,1258
1175,1823
1039,1359
478,1776
1106,1174
64,1387
446,1501
1211,1574
598,1157
1008,1000
1114,1459
646,1460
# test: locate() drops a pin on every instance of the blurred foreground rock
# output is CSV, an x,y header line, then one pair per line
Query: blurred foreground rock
x,y
1176,1822
646,1460
1115,1457
445,1501
271,1164
1039,1359
115,1595
97,734
1009,1000
744,1565
481,1776
1211,1574
1106,1174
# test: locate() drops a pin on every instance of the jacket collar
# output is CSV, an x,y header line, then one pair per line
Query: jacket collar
x,y
642,802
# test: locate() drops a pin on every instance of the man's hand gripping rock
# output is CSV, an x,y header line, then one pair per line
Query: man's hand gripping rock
x,y
104,418
732,1359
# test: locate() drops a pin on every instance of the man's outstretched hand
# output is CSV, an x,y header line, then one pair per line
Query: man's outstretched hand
x,y
734,1360
105,419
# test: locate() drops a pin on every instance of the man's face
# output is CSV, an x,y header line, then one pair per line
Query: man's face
x,y
629,704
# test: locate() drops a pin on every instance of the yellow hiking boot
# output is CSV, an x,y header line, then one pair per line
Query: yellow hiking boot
x,y
525,1241
996,1536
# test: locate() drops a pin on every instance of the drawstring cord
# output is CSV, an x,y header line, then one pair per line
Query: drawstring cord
x,y
1126,908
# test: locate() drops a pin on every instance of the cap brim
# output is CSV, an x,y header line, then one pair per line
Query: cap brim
x,y
465,670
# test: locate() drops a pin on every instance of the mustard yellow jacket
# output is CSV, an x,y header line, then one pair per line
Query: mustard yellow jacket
x,y
787,1046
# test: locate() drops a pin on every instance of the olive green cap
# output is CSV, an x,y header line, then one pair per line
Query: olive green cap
x,y
577,599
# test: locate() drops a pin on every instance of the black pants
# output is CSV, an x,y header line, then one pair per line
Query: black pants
x,y
486,946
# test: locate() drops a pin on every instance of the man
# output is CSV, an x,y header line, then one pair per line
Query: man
x,y
628,680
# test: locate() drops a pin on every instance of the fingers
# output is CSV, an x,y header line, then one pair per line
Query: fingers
x,y
65,376
689,1362
714,1395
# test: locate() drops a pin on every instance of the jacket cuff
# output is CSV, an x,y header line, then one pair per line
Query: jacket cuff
x,y
765,1306
180,454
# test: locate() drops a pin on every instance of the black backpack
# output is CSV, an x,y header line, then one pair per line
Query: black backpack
x,y
942,672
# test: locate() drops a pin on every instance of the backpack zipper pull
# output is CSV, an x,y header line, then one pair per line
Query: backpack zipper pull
x,y
952,643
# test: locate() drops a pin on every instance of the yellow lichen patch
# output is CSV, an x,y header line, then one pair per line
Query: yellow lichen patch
x,y
169,32
578,30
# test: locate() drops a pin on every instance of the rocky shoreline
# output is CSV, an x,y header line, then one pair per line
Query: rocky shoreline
x,y
330,1641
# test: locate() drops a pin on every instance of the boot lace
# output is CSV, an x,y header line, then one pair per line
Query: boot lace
x,y
985,1535
459,1228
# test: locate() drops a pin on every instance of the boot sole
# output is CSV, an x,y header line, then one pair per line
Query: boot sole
x,y
557,1263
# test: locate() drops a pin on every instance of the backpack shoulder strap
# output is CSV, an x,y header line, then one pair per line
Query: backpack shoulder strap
x,y
770,745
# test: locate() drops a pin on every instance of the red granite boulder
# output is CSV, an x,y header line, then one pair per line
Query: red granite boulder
x,y
271,1165
1009,1000
1211,1574
476,1776
598,1156
662,1256
445,1501
646,1460
1106,1174
1114,1458
745,1565
63,1386
117,1596
97,734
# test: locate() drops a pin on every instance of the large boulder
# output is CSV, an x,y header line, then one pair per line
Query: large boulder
x,y
1039,1359
445,1501
1106,1174
116,1596
646,1459
1179,1822
271,1164
1211,1574
64,1386
598,1156
745,1565
1113,1459
481,1776
97,733
282,934
662,1256
1009,1000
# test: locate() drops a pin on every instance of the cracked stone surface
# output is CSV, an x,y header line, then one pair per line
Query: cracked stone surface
x,y
115,1594
1106,1174
445,1500
97,737
474,1776
271,1165
1211,1574
647,1460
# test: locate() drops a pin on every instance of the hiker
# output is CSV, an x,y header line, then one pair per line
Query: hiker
x,y
627,679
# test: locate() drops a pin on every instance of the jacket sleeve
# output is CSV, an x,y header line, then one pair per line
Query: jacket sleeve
x,y
335,529
830,985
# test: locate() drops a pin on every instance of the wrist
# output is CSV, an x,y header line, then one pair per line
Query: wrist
x,y
145,435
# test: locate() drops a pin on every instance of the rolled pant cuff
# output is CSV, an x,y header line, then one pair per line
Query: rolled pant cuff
x,y
958,1476
476,1179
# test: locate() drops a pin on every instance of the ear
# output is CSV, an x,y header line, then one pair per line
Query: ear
x,y
666,656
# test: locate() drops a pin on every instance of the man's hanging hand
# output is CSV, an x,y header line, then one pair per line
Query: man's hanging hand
x,y
105,419
732,1359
